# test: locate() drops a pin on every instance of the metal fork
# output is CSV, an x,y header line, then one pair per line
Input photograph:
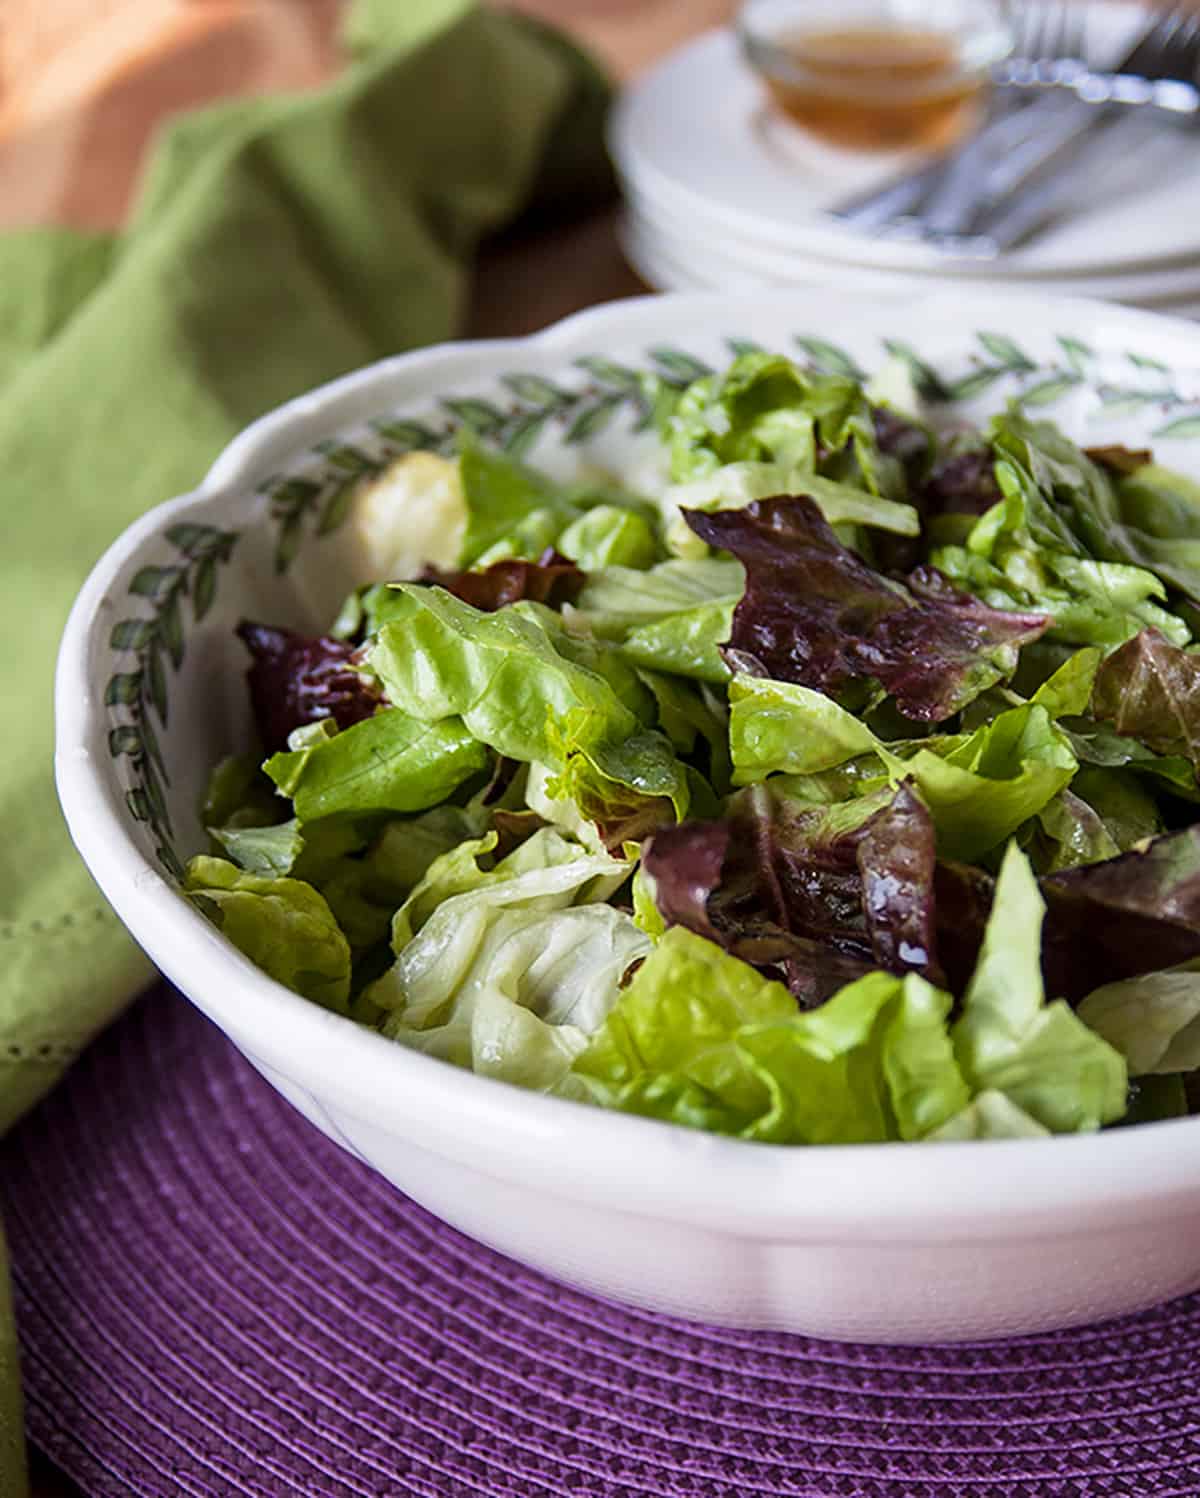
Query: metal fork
x,y
1047,48
1016,131
967,199
1112,132
1019,145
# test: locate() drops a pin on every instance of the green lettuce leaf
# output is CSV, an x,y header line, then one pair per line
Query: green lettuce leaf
x,y
979,787
1041,1056
669,1047
686,644
699,1038
671,617
508,970
736,485
408,846
616,600
610,536
1159,525
690,714
622,791
765,409
1070,832
506,675
874,1063
990,1115
288,848
392,762
1067,691
1122,802
512,510
1041,546
1153,1021
238,794
283,925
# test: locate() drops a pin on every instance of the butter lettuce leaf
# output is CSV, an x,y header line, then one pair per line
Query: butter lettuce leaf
x,y
672,617
696,721
1152,1020
765,409
1158,526
508,970
507,676
979,787
990,1115
1054,543
624,791
699,1038
512,509
1041,1056
610,536
391,762
283,925
668,1049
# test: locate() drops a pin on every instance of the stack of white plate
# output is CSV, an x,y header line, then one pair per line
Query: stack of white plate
x,y
723,192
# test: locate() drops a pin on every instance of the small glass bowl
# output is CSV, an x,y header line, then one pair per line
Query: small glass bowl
x,y
876,74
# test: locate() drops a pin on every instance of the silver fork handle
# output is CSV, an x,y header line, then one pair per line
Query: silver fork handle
x,y
901,196
978,181
1119,136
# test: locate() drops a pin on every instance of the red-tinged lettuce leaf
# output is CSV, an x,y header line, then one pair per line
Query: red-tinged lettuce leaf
x,y
816,614
1106,921
1149,690
627,789
806,895
897,855
297,679
1123,917
1118,459
552,580
725,881
962,482
910,443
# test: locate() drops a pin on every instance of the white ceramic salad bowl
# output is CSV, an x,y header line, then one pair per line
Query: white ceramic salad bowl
x,y
888,1243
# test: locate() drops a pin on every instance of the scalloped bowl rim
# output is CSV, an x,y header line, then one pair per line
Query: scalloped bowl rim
x,y
882,1191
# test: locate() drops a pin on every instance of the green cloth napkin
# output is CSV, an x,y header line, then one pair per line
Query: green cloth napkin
x,y
277,243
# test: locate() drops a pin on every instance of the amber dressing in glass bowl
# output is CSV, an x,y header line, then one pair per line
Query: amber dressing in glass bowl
x,y
872,76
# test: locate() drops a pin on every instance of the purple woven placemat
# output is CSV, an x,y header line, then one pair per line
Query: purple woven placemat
x,y
215,1300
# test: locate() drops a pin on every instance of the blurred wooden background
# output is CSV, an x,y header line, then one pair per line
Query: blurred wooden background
x,y
83,83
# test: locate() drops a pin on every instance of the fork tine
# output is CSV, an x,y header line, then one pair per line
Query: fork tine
x,y
1187,59
1052,30
1150,57
1075,37
1028,24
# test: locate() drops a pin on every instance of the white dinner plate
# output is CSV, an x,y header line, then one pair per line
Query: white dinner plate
x,y
725,260
697,137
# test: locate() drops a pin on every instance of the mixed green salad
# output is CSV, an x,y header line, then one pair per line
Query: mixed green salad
x,y
840,785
